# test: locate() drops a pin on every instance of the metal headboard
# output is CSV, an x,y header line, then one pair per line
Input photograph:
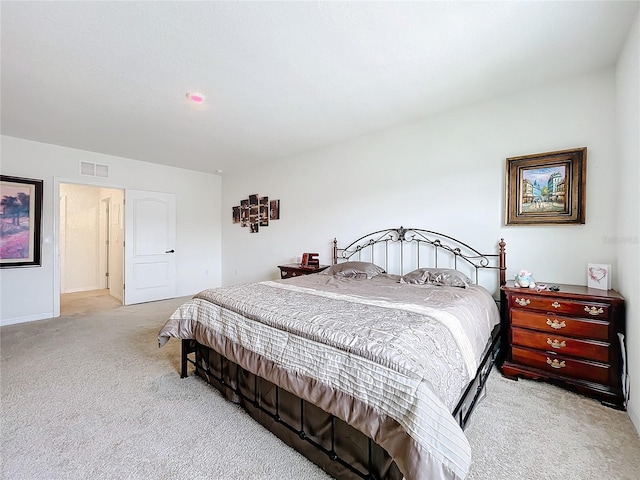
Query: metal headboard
x,y
394,248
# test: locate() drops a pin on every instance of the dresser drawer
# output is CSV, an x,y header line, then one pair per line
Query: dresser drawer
x,y
559,305
561,365
581,327
590,350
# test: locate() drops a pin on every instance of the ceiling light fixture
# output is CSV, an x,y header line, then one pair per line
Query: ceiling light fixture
x,y
196,97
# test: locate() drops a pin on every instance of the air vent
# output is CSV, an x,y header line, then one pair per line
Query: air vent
x,y
94,169
102,170
87,168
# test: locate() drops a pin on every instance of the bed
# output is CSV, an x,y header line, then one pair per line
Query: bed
x,y
371,368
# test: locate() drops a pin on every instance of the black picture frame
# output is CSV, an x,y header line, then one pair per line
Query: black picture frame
x,y
20,222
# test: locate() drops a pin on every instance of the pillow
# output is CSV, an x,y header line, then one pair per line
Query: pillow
x,y
445,277
353,270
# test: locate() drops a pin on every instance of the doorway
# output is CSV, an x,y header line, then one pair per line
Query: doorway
x,y
91,248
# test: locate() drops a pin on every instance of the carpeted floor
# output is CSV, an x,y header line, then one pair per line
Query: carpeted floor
x,y
87,301
532,430
90,395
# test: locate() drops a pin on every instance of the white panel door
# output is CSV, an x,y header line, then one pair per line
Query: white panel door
x,y
150,235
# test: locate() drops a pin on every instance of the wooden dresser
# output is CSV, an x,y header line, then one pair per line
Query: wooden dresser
x,y
569,338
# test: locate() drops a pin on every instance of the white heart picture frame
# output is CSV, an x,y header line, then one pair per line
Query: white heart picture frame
x,y
599,276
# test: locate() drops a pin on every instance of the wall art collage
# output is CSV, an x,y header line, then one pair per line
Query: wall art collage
x,y
256,212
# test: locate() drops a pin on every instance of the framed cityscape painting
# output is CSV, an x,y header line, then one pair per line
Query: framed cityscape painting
x,y
20,221
546,188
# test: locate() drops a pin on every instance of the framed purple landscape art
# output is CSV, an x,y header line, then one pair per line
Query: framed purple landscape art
x,y
20,221
546,188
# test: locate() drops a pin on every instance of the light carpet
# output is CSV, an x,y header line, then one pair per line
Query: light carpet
x,y
92,396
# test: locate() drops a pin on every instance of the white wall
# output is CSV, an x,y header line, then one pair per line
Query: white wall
x,y
445,173
628,228
116,241
29,293
79,225
84,225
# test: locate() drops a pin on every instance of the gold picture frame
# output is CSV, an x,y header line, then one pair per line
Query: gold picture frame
x,y
546,188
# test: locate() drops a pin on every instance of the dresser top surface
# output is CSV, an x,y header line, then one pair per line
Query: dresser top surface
x,y
577,291
297,266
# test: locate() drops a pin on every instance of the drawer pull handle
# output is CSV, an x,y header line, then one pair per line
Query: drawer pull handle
x,y
593,310
555,363
556,324
555,305
523,302
556,344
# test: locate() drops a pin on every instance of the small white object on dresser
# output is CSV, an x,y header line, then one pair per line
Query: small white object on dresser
x,y
599,276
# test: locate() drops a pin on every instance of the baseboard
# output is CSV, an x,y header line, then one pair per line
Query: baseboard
x,y
633,415
28,318
82,289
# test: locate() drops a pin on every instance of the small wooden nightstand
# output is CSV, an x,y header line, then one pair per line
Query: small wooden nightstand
x,y
295,270
569,337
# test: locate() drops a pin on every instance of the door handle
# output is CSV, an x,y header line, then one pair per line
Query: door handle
x,y
170,251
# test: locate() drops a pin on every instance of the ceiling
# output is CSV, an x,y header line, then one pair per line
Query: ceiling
x,y
280,78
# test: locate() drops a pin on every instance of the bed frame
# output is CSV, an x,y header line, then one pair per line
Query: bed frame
x,y
339,449
401,250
